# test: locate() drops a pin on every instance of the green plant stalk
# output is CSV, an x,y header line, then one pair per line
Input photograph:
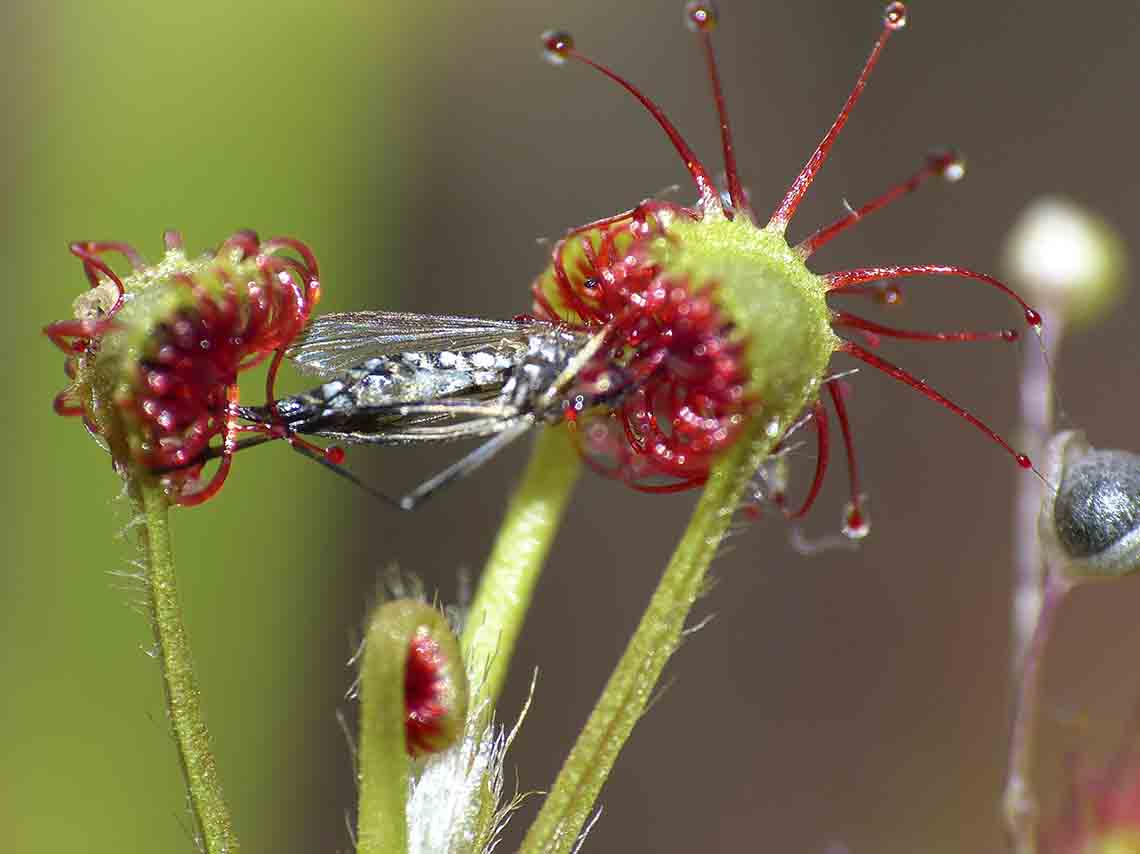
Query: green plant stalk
x,y
207,802
567,808
382,824
513,568
398,630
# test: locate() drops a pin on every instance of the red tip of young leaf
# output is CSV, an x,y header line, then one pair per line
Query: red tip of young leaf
x,y
425,696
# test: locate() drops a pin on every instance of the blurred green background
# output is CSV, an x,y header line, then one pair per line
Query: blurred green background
x,y
121,120
855,697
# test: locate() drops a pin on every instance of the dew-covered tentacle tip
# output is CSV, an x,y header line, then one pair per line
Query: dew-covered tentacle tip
x,y
718,321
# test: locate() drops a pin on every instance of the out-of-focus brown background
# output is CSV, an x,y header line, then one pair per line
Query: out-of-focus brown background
x,y
855,697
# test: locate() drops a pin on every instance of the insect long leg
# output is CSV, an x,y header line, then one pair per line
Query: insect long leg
x,y
212,453
341,471
456,407
308,451
467,464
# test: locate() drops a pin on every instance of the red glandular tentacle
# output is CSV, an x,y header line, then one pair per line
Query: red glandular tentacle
x,y
185,390
687,399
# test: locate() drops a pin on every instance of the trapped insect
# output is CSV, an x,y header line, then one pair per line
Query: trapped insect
x,y
404,379
712,320
719,307
669,333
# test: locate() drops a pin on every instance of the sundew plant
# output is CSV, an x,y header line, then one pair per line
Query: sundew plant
x,y
690,349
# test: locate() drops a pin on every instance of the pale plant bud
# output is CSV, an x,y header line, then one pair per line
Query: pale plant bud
x,y
1066,258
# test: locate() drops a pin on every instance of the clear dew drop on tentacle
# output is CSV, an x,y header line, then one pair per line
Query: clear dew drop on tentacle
x,y
557,46
701,16
895,16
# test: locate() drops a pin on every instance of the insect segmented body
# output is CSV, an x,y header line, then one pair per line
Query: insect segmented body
x,y
363,404
699,320
464,378
155,355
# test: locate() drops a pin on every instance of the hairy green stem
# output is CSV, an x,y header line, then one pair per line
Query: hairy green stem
x,y
207,803
382,825
567,808
512,571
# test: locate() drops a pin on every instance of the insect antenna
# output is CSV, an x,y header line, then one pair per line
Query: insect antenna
x,y
321,457
559,46
894,18
465,465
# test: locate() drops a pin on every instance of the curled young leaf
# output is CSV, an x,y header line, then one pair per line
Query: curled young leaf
x,y
413,700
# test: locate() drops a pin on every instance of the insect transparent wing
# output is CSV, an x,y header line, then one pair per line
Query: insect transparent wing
x,y
333,343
